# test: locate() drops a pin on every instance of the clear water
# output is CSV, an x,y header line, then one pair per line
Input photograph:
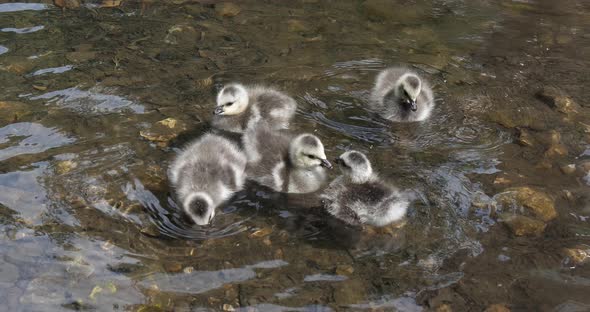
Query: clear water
x,y
86,216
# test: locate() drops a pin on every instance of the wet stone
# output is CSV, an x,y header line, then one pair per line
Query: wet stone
x,y
65,166
556,151
344,269
181,34
557,100
568,169
524,138
577,255
173,267
444,308
513,118
163,131
227,9
12,111
296,26
539,203
67,4
523,226
382,10
497,308
349,292
80,57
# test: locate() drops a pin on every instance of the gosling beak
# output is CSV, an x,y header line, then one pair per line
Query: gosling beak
x,y
413,105
326,163
218,111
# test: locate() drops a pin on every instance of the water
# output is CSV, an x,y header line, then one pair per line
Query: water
x,y
86,216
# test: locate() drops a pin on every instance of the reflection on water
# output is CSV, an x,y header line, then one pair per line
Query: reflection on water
x,y
197,282
55,70
22,192
91,101
87,220
29,138
15,7
25,30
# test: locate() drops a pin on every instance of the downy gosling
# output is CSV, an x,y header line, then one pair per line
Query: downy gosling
x,y
400,94
205,174
285,163
359,196
237,105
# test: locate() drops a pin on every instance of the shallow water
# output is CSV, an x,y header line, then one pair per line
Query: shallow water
x,y
86,216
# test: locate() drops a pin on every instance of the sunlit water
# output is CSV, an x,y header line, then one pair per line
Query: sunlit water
x,y
87,220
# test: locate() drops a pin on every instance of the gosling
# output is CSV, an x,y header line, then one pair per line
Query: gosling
x,y
205,174
237,105
285,163
401,95
360,197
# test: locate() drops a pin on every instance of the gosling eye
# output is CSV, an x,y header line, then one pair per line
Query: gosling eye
x,y
229,103
310,156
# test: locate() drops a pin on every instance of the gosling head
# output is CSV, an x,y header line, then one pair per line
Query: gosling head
x,y
199,207
231,100
356,166
307,151
407,91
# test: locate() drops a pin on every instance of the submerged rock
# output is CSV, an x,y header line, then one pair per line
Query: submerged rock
x,y
227,9
558,100
67,4
577,255
12,111
182,34
497,308
537,202
523,226
524,138
163,131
